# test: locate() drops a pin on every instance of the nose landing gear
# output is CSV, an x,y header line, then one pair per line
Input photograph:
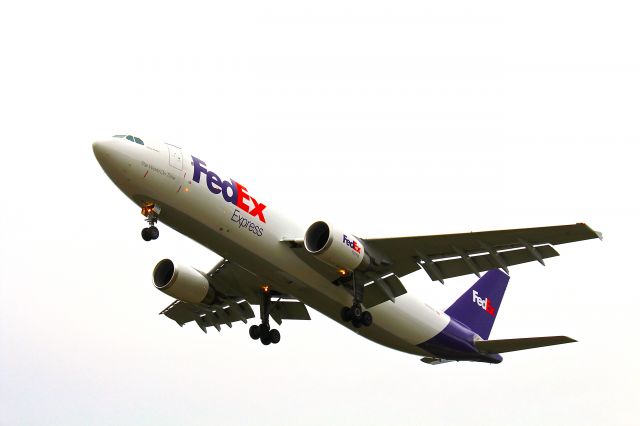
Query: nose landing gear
x,y
150,233
151,212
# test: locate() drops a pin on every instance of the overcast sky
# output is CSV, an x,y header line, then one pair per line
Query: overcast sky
x,y
386,118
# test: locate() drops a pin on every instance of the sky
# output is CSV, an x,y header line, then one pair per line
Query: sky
x,y
386,118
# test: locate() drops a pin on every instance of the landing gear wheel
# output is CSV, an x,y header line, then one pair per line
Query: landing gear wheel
x,y
356,311
274,336
145,234
346,314
265,339
264,329
254,332
356,323
153,232
366,318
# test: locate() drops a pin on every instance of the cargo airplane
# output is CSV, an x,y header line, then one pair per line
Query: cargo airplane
x,y
270,262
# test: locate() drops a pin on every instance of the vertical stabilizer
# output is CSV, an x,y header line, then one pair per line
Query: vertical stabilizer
x,y
478,307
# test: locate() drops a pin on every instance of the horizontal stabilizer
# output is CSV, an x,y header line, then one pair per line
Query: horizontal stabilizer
x,y
510,345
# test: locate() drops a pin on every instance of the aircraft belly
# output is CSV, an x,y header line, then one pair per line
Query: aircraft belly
x,y
400,326
409,318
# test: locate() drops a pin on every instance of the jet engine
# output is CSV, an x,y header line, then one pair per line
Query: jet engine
x,y
336,248
183,282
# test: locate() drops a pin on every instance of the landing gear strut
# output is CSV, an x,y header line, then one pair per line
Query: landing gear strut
x,y
264,332
151,212
355,314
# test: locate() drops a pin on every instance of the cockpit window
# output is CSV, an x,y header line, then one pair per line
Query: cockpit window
x,y
130,138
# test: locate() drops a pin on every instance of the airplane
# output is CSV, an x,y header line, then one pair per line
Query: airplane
x,y
271,262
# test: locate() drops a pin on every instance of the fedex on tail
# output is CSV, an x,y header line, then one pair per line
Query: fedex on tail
x,y
484,303
466,337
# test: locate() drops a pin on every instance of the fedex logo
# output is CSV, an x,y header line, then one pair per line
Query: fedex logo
x,y
484,303
231,191
353,244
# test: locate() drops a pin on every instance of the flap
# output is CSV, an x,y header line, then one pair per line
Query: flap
x,y
287,310
456,267
382,290
209,316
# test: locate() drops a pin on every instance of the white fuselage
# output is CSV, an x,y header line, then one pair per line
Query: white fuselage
x,y
164,174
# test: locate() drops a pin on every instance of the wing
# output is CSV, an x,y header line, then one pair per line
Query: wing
x,y
239,289
453,255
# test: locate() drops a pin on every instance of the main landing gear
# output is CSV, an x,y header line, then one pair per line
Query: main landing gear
x,y
264,332
151,212
355,314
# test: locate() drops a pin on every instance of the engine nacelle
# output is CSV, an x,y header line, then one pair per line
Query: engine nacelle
x,y
183,282
335,248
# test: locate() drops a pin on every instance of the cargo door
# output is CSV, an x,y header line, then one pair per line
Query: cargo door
x,y
175,157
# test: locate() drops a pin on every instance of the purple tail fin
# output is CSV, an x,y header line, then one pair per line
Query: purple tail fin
x,y
477,307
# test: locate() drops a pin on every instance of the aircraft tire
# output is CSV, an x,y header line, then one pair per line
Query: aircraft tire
x,y
346,314
264,330
366,318
356,323
145,234
274,336
265,339
153,232
356,311
254,332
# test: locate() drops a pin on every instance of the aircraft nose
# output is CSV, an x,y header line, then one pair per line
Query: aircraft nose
x,y
109,157
101,149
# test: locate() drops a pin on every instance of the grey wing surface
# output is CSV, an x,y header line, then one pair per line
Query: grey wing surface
x,y
452,255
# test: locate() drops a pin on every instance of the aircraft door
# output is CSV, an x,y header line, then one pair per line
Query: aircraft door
x,y
175,156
